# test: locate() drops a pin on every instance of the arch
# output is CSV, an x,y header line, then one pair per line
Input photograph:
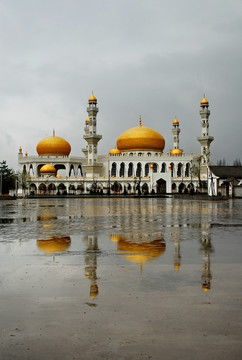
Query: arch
x,y
173,187
80,188
161,186
31,170
191,188
179,169
113,169
140,154
155,167
138,169
187,169
149,154
172,169
72,189
131,154
145,189
122,169
33,189
79,171
181,188
130,169
72,171
62,189
147,169
51,189
116,187
42,188
163,167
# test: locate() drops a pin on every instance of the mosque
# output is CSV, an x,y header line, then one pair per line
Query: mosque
x,y
137,165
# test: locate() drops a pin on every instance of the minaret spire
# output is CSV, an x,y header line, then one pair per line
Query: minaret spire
x,y
205,140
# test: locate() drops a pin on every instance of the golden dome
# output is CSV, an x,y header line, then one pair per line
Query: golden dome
x,y
54,245
114,152
141,138
175,122
176,152
204,101
87,120
92,98
53,145
48,169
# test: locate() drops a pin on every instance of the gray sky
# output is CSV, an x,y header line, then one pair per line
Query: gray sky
x,y
152,58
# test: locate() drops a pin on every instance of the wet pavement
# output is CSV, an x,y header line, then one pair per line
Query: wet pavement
x,y
120,279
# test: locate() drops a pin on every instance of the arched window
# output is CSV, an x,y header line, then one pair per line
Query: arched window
x,y
140,154
114,169
163,168
148,154
187,170
130,170
172,169
179,170
147,168
155,168
138,170
121,171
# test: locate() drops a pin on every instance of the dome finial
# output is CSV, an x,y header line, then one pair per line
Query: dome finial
x,y
53,132
140,121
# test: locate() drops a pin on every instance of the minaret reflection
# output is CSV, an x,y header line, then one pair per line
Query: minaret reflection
x,y
91,263
206,249
175,236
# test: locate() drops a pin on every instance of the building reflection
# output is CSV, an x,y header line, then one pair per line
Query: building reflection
x,y
140,248
92,251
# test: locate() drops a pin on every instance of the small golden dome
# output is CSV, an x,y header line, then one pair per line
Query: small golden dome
x,y
53,145
175,122
87,120
20,150
115,151
54,245
58,176
26,154
92,98
141,138
176,152
204,101
48,169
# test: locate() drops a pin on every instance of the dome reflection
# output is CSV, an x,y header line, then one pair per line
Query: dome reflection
x,y
54,245
139,249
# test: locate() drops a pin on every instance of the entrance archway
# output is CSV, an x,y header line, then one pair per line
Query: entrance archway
x,y
161,186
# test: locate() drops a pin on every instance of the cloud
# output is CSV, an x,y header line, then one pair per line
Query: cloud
x,y
154,59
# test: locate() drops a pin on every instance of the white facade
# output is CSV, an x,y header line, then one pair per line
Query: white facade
x,y
130,172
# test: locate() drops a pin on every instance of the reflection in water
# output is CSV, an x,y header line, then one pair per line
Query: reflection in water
x,y
206,249
136,250
54,245
91,263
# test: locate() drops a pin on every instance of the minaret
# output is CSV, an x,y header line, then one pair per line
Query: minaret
x,y
176,131
92,167
205,140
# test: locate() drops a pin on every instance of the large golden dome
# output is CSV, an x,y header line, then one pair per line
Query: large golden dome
x,y
53,145
141,138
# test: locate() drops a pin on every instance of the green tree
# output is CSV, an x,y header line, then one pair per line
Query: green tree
x,y
7,178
